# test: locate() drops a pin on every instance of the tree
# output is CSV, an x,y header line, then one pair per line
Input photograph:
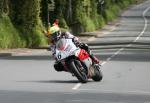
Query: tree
x,y
4,8
25,15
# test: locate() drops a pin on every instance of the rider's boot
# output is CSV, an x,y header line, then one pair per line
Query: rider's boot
x,y
94,59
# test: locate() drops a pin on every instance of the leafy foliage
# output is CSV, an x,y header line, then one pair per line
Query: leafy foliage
x,y
9,36
21,27
21,20
87,13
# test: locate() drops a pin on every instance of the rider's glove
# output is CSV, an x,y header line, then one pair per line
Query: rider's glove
x,y
76,41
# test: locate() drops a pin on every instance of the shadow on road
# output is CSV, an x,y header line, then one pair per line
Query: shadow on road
x,y
53,81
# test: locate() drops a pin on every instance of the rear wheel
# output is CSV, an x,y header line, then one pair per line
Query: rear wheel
x,y
98,76
78,70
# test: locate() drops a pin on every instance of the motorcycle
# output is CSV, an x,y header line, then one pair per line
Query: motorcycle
x,y
77,61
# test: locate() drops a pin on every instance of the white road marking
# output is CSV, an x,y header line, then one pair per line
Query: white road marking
x,y
117,52
76,86
108,59
103,63
128,45
145,25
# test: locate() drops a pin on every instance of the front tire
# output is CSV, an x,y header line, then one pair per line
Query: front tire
x,y
78,70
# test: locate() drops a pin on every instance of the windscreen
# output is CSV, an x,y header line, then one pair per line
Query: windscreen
x,y
60,45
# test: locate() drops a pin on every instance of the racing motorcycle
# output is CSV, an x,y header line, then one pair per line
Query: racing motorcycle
x,y
77,61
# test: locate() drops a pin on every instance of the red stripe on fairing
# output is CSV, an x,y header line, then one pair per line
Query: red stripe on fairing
x,y
62,48
83,55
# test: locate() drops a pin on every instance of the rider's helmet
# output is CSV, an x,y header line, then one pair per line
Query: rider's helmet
x,y
54,33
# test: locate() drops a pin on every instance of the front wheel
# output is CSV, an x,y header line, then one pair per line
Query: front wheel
x,y
98,76
78,70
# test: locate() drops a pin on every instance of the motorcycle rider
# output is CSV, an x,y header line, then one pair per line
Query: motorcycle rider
x,y
54,34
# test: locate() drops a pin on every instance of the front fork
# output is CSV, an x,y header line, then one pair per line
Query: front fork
x,y
65,65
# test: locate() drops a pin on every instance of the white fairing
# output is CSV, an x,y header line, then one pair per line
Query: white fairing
x,y
65,48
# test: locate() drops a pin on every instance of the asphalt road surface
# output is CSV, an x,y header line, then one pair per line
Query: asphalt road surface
x,y
125,58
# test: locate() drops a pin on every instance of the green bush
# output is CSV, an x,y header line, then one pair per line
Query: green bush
x,y
20,19
26,19
99,21
37,38
87,23
113,9
9,36
109,16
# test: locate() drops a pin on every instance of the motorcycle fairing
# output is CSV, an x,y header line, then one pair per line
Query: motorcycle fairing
x,y
65,48
83,55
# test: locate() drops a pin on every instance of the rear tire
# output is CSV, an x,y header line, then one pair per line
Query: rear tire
x,y
98,76
78,70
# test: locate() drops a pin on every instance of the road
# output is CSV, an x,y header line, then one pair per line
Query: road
x,y
124,54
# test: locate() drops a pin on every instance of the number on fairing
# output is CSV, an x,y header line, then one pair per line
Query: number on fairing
x,y
59,56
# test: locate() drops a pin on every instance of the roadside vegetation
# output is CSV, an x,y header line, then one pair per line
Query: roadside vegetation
x,y
22,21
